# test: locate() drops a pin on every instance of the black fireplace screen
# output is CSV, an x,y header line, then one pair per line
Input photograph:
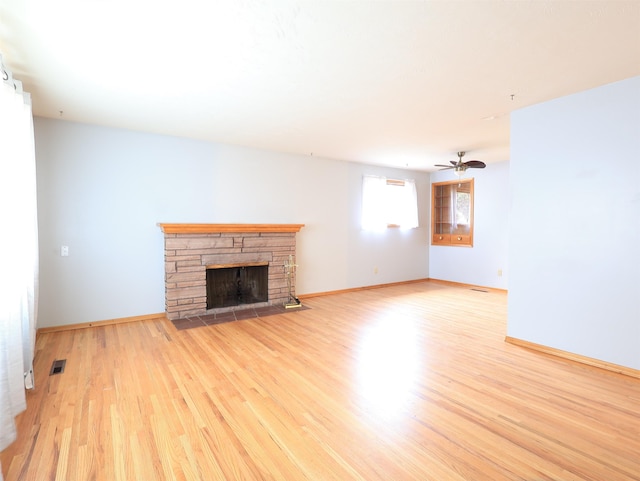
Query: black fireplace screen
x,y
234,286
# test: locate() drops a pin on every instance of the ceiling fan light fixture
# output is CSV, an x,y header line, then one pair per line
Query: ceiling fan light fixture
x,y
460,167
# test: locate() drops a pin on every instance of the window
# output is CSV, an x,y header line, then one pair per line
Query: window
x,y
452,213
388,203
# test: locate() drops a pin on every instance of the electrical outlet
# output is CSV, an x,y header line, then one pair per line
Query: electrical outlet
x,y
499,272
375,270
64,251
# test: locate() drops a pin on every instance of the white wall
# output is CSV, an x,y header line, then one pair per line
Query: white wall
x,y
102,191
479,265
394,254
575,224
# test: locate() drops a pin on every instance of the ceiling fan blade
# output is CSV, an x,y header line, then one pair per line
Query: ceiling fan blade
x,y
445,166
475,164
454,162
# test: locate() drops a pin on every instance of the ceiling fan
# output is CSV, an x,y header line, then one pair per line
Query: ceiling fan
x,y
460,166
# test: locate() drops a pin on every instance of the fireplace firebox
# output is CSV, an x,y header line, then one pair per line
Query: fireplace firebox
x,y
229,286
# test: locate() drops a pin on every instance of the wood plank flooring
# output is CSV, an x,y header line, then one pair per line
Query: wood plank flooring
x,y
408,382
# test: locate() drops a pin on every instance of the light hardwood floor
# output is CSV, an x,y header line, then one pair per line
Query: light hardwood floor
x,y
410,382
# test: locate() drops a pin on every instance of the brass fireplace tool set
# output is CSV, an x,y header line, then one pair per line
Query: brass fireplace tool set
x,y
289,270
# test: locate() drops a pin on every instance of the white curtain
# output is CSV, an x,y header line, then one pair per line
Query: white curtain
x,y
385,203
408,214
19,248
374,205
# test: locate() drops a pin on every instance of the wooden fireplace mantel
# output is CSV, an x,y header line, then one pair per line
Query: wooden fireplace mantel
x,y
215,228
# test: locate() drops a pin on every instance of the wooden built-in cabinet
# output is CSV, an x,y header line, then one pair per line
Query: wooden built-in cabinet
x,y
452,213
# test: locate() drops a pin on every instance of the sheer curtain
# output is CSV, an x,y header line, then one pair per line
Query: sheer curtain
x,y
387,202
374,205
19,248
408,214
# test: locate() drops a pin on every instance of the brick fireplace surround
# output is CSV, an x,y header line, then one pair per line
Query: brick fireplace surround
x,y
190,248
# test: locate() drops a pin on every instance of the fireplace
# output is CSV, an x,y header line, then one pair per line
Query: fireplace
x,y
191,250
229,286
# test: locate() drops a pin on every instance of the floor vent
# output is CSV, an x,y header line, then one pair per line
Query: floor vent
x,y
57,367
479,290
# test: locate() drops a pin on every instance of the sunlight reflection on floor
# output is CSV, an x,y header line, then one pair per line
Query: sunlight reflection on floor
x,y
388,366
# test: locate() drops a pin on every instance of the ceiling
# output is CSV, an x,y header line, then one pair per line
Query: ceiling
x,y
396,83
